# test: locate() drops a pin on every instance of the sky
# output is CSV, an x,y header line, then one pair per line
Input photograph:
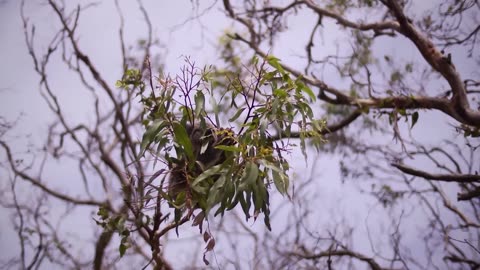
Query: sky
x,y
179,37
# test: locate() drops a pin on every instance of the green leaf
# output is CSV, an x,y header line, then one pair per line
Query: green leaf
x,y
257,199
306,90
251,173
245,203
122,249
237,114
182,138
280,179
395,76
103,213
281,182
414,118
409,67
228,148
119,84
215,108
149,135
199,103
280,93
275,62
206,174
214,193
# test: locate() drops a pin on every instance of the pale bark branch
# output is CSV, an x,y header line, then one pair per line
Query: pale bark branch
x,y
456,107
459,107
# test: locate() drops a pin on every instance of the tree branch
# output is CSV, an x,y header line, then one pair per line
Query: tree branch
x,y
340,253
462,178
469,195
459,102
328,130
43,187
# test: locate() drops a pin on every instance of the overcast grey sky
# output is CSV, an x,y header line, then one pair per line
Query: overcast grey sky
x,y
179,37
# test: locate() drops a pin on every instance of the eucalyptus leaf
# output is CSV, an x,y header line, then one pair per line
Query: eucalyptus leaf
x,y
199,103
207,174
414,118
149,135
183,139
236,115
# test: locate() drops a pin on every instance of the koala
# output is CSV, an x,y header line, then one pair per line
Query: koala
x,y
208,137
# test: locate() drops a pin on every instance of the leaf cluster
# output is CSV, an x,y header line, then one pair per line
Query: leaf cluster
x,y
270,103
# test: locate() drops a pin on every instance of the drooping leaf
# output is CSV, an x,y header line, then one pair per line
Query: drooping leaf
x,y
280,181
228,148
182,138
206,174
122,249
199,103
237,114
103,213
244,202
251,173
414,118
216,109
275,62
214,193
149,135
206,236
306,90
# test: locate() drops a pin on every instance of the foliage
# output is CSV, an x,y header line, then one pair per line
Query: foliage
x,y
271,102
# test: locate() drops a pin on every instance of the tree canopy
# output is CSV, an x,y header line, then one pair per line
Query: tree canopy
x,y
348,133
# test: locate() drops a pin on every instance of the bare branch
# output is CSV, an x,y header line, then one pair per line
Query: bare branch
x,y
462,178
38,183
339,253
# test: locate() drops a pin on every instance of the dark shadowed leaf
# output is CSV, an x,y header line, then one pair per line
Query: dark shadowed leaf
x,y
414,118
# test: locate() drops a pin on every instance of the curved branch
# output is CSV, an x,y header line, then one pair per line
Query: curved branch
x,y
96,75
442,64
405,102
457,107
340,253
43,187
469,195
377,26
462,178
100,247
328,130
